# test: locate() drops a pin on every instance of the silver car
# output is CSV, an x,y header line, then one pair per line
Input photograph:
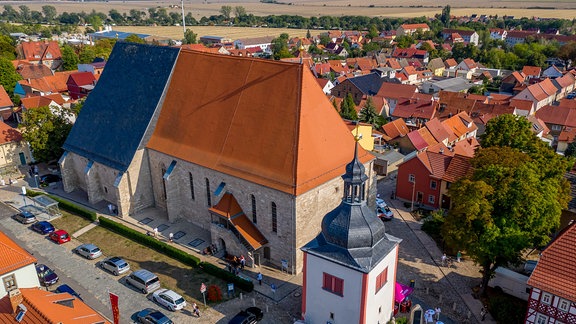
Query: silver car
x,y
25,217
89,251
115,265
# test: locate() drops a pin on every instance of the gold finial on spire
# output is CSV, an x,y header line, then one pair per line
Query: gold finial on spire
x,y
358,136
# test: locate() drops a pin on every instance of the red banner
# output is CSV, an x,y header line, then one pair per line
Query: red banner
x,y
115,309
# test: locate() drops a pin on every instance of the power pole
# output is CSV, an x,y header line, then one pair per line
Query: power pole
x,y
183,20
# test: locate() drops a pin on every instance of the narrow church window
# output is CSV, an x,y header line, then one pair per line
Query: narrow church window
x,y
274,218
208,198
105,189
163,182
191,178
254,219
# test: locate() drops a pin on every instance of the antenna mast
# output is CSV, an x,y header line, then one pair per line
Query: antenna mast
x,y
183,20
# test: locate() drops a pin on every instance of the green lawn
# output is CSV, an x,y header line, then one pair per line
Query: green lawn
x,y
173,274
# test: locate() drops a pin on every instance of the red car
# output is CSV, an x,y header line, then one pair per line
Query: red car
x,y
60,236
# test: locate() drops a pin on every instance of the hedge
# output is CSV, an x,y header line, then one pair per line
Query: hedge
x,y
67,206
223,274
150,242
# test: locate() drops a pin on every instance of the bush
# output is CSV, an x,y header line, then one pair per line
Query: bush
x,y
214,293
150,242
223,274
67,206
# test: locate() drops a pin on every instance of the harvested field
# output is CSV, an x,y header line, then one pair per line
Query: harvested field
x,y
176,32
307,8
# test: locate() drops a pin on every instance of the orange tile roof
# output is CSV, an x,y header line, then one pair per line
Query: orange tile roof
x,y
414,26
460,124
397,91
537,92
522,104
5,100
396,128
13,256
34,71
450,63
458,167
49,307
556,269
548,87
437,163
35,102
35,51
437,129
9,134
227,206
531,70
229,114
557,115
427,136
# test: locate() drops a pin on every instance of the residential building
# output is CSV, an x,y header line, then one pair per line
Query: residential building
x,y
514,37
43,52
265,43
553,294
557,119
531,72
498,33
350,268
425,179
80,84
436,65
252,163
469,36
393,92
542,93
409,29
326,85
17,267
359,87
14,151
6,104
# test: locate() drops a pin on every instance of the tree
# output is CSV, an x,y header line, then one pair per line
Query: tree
x,y
134,39
49,13
369,115
46,131
511,202
7,49
226,11
571,149
445,17
8,75
69,58
348,108
190,37
24,13
280,47
87,54
239,11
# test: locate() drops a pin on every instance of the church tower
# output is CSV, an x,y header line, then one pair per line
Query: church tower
x,y
350,267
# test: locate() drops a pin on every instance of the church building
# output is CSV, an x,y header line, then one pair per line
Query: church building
x,y
250,150
350,267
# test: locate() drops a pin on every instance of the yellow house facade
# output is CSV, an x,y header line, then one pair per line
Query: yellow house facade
x,y
13,150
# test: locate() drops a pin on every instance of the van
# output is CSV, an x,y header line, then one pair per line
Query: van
x,y
511,282
143,280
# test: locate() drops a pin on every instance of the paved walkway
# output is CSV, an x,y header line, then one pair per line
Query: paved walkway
x,y
436,286
450,288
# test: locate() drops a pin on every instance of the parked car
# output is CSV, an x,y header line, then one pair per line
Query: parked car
x,y
249,316
115,265
143,280
60,236
381,203
571,95
25,217
89,251
43,227
385,213
529,266
169,299
47,179
67,289
152,316
46,275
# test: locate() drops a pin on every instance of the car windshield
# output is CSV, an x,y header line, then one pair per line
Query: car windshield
x,y
63,236
387,209
45,273
123,265
94,250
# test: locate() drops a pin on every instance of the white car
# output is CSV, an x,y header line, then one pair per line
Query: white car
x,y
381,203
169,299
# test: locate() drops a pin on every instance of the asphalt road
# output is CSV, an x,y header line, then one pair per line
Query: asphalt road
x,y
84,276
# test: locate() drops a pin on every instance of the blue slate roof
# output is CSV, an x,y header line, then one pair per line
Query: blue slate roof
x,y
369,84
116,115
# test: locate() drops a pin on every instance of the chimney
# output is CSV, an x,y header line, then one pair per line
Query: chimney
x,y
16,299
442,151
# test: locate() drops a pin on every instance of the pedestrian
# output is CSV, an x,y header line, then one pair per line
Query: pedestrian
x,y
155,231
458,256
259,278
483,312
110,208
31,172
36,169
196,310
444,259
242,262
171,237
437,310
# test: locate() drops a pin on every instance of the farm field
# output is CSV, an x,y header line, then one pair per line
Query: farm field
x,y
308,8
176,32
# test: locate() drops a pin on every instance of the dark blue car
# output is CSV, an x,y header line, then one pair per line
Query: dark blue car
x,y
43,227
65,288
152,316
46,275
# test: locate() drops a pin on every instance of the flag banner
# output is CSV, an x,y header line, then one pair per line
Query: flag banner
x,y
115,309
